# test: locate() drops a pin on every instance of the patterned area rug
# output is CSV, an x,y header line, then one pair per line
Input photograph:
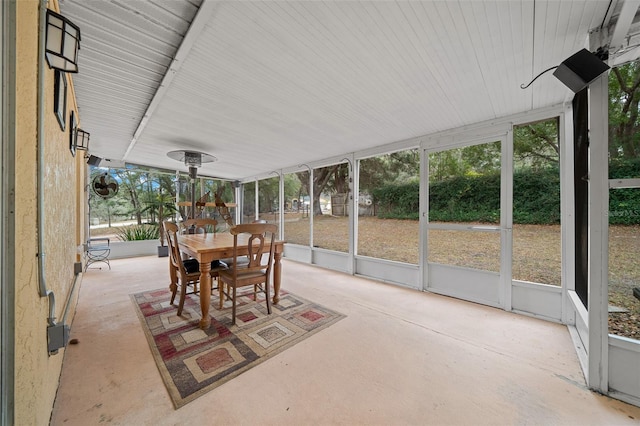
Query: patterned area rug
x,y
193,361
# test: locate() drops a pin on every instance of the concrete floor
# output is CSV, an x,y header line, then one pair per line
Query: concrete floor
x,y
401,357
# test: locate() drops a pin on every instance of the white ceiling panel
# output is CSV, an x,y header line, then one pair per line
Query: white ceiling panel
x,y
265,85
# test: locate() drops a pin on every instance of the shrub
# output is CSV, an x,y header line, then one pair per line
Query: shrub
x,y
139,232
476,198
397,201
624,204
536,197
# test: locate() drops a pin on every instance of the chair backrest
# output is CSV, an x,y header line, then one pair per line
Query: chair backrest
x,y
261,241
200,226
171,231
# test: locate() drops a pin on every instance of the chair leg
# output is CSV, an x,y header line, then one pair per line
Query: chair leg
x,y
221,293
173,286
266,292
233,309
183,295
174,290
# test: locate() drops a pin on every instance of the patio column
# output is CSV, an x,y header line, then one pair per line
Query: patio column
x,y
598,234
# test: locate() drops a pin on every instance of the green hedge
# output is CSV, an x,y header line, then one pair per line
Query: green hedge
x,y
624,204
397,201
536,198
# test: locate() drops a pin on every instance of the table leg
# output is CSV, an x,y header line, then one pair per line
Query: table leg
x,y
277,276
205,293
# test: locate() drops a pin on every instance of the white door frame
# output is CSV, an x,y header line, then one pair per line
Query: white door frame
x,y
503,284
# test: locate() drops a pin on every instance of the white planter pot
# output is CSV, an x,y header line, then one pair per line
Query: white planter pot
x,y
123,249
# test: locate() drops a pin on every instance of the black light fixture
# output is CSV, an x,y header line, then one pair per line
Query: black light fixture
x,y
63,43
94,160
580,70
82,139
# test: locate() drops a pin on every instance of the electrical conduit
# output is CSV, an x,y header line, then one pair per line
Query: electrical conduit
x,y
42,281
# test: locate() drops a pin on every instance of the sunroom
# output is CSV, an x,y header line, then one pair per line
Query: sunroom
x,y
463,148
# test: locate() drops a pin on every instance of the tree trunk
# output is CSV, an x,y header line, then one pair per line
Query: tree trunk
x,y
321,178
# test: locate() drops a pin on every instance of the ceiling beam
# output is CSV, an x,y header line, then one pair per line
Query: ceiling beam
x,y
203,16
623,24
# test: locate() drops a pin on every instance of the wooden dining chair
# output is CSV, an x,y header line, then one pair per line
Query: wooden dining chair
x,y
184,273
206,226
199,226
256,272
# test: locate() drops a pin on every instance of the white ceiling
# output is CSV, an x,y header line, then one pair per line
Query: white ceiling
x,y
265,85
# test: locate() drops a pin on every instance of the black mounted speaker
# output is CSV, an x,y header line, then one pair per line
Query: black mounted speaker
x,y
94,161
580,69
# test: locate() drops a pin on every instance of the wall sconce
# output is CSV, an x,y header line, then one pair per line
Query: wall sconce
x,y
82,139
63,43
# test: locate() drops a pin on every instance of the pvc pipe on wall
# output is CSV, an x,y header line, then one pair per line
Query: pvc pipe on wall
x,y
42,281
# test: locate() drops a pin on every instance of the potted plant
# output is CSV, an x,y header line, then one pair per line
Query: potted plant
x,y
161,205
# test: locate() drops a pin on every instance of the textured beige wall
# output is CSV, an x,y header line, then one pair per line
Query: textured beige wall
x,y
37,372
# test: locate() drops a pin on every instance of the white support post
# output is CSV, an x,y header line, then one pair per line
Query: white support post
x,y
311,210
177,180
352,214
598,235
424,217
506,219
356,207
567,210
256,201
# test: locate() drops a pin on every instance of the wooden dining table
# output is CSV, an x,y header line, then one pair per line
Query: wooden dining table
x,y
206,248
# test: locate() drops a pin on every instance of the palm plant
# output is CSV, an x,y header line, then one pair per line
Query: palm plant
x,y
160,205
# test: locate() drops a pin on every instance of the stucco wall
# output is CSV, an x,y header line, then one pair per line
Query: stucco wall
x,y
37,372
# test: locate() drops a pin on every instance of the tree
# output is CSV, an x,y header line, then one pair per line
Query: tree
x,y
624,123
303,189
331,178
444,165
536,145
130,183
269,189
248,200
292,188
397,167
471,160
